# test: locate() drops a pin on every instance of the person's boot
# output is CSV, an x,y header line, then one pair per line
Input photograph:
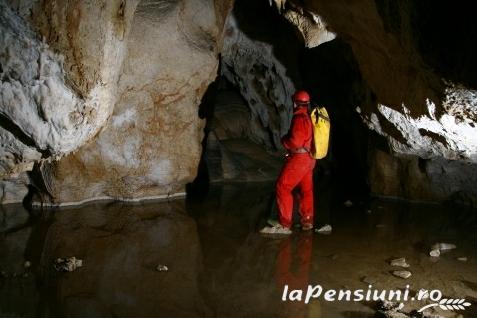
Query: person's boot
x,y
307,227
276,229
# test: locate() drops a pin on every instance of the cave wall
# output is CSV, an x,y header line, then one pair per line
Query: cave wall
x,y
103,95
60,63
151,62
52,103
263,63
152,144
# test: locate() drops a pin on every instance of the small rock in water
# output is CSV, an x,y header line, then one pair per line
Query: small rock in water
x,y
162,268
368,280
423,294
389,309
394,314
443,246
348,203
326,229
462,259
390,305
435,253
27,264
437,248
402,274
401,262
67,264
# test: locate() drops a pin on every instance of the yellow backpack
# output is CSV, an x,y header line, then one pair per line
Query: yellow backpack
x,y
321,132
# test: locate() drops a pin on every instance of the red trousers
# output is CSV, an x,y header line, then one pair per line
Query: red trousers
x,y
297,171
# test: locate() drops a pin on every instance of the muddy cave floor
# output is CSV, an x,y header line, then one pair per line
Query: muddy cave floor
x,y
218,264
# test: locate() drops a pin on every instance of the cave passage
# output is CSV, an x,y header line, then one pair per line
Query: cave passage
x,y
245,115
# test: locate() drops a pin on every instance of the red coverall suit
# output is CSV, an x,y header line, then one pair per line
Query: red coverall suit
x,y
297,171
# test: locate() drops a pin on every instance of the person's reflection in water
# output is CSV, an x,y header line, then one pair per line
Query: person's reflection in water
x,y
293,269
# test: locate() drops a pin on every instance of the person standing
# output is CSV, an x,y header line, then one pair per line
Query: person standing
x,y
297,170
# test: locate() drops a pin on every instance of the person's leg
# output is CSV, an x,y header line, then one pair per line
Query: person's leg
x,y
289,178
306,195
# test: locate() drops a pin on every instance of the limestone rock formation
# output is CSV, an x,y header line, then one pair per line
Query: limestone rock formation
x,y
152,144
311,26
229,152
420,179
101,99
59,68
46,112
452,134
250,61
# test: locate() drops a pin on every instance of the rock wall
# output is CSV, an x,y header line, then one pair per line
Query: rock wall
x,y
150,61
414,178
46,112
263,63
152,144
59,64
104,96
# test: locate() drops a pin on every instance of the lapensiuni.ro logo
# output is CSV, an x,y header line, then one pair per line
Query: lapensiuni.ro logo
x,y
435,296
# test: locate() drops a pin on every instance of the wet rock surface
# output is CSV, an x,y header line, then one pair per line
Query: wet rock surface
x,y
217,262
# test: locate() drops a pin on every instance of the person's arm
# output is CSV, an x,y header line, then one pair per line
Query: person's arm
x,y
297,134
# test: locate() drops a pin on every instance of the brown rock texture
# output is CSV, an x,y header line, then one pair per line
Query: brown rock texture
x,y
152,144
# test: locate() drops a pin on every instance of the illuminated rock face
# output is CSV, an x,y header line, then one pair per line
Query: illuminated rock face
x,y
152,144
45,113
105,97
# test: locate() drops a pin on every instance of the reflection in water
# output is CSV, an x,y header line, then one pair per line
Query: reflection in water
x,y
120,246
219,266
293,267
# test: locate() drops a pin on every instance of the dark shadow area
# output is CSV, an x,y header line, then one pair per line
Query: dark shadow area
x,y
331,75
443,32
200,185
262,22
446,36
230,153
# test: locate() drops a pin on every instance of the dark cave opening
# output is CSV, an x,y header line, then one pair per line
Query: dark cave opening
x,y
444,35
449,48
331,74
